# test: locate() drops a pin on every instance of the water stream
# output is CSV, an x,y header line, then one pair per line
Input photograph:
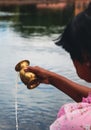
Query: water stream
x,y
16,102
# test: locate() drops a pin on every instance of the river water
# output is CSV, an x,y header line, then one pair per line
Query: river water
x,y
31,36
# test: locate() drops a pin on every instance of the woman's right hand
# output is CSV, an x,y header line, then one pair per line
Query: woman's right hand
x,y
41,73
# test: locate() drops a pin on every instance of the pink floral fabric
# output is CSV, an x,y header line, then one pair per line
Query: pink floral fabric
x,y
74,116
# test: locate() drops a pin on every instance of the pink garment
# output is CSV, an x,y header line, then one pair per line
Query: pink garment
x,y
74,116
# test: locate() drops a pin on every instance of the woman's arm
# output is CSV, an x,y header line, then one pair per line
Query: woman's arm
x,y
72,89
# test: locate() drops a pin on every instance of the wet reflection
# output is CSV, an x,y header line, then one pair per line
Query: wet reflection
x,y
29,19
41,19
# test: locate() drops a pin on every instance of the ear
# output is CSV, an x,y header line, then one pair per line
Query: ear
x,y
88,64
87,59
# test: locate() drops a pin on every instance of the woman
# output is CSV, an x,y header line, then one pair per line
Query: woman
x,y
76,40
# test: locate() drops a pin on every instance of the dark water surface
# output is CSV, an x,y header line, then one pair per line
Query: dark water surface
x,y
28,34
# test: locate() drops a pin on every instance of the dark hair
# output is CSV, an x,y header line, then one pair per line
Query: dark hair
x,y
76,37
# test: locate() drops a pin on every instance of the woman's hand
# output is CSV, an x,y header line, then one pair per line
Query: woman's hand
x,y
72,89
42,74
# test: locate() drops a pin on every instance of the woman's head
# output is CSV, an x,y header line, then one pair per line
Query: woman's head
x,y
76,38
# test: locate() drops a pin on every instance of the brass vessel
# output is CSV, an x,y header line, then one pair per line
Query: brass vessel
x,y
28,78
